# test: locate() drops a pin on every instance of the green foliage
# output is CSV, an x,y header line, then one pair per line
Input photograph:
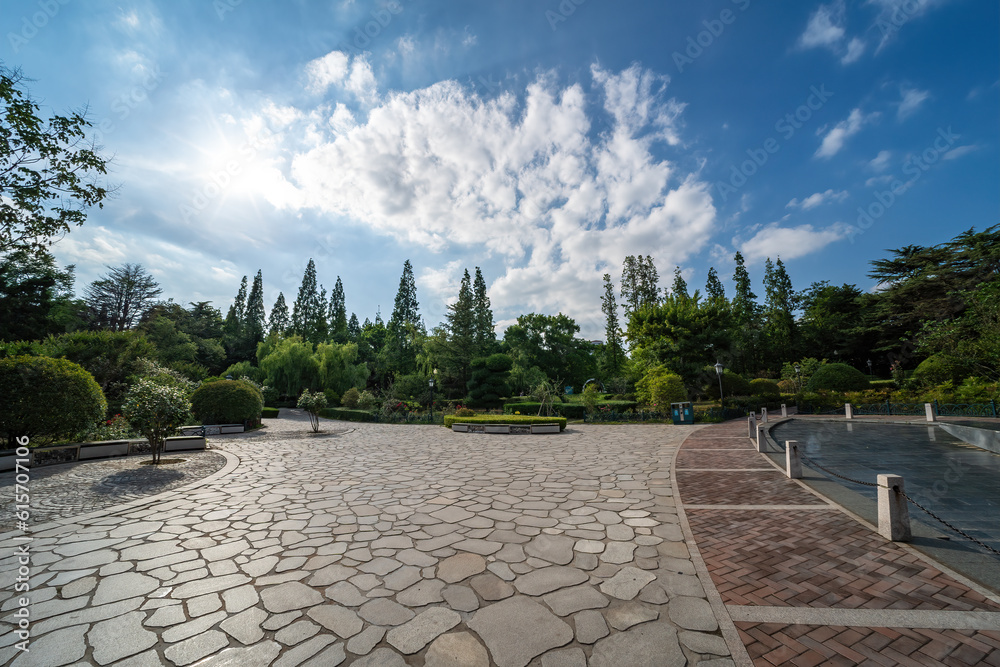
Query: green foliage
x,y
613,356
119,299
269,413
154,372
549,342
309,312
45,399
837,377
36,298
591,395
290,365
765,388
156,411
48,170
465,412
367,400
350,398
226,402
337,317
733,384
349,415
807,368
504,419
639,286
523,380
659,387
332,397
488,382
279,322
245,369
938,369
116,428
339,367
312,402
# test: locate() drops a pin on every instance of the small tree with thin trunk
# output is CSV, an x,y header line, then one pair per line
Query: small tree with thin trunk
x,y
312,402
156,411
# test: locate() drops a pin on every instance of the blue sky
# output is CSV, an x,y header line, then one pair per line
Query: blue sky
x,y
542,141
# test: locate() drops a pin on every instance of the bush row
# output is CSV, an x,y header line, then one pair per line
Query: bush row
x,y
504,419
570,410
269,413
346,414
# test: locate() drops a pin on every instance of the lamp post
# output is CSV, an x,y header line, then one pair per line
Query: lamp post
x,y
718,371
870,376
798,381
431,383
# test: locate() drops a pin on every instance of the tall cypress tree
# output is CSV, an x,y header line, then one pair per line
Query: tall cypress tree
x,y
613,355
485,334
462,329
746,313
338,313
309,311
779,323
254,319
353,328
232,329
404,326
680,286
279,322
713,286
640,283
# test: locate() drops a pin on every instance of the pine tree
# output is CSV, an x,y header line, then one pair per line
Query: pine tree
x,y
338,313
309,311
640,283
353,328
232,329
279,322
680,287
405,309
746,320
404,326
779,323
713,287
254,320
462,329
613,344
485,334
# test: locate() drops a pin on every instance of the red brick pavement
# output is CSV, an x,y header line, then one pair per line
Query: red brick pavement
x,y
721,459
818,559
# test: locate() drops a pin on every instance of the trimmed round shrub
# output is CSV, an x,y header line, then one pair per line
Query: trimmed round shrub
x,y
226,402
350,398
659,387
939,369
837,377
367,400
764,387
46,399
733,384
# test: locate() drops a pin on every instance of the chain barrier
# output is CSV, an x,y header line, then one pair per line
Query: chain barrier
x,y
961,532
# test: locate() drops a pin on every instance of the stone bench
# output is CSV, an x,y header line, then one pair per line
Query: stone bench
x,y
533,429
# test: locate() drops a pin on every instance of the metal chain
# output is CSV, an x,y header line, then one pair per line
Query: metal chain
x,y
927,511
957,530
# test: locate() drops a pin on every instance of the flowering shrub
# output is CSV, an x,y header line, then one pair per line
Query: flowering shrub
x,y
116,428
155,411
312,402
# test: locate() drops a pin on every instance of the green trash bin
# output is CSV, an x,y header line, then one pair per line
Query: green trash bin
x,y
682,413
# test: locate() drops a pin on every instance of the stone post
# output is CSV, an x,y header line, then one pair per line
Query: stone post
x,y
784,410
793,465
848,410
761,438
763,415
751,425
893,514
929,411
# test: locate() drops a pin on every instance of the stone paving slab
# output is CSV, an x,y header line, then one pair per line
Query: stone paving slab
x,y
380,545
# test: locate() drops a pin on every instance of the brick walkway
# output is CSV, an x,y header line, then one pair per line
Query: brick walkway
x,y
805,584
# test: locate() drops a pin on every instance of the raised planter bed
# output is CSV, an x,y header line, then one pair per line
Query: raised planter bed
x,y
520,429
90,451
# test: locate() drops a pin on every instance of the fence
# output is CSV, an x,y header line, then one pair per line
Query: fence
x,y
965,409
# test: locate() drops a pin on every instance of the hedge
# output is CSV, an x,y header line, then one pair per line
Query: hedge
x,y
348,415
226,402
505,419
269,413
568,410
837,377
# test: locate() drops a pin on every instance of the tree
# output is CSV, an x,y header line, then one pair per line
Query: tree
x,y
549,342
290,365
353,328
338,313
279,322
833,323
404,326
233,327
117,300
155,411
713,286
746,320
309,311
640,282
779,323
613,353
48,171
485,335
463,330
36,297
312,403
253,321
339,368
659,387
680,286
488,382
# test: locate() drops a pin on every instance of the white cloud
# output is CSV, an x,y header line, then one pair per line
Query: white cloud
x,y
835,138
814,200
959,151
790,242
519,177
361,81
327,71
881,161
855,49
825,27
912,99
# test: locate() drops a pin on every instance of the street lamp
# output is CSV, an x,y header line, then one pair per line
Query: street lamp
x,y
431,383
798,381
718,371
870,376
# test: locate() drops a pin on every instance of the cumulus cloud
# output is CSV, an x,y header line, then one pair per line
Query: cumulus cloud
x,y
842,131
521,176
327,71
814,200
912,99
790,242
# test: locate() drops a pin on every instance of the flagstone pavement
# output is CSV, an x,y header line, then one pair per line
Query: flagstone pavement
x,y
377,545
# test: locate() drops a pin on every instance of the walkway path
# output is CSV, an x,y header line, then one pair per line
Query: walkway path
x,y
806,584
381,545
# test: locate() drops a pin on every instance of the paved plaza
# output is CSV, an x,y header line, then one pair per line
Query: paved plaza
x,y
382,545
385,545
